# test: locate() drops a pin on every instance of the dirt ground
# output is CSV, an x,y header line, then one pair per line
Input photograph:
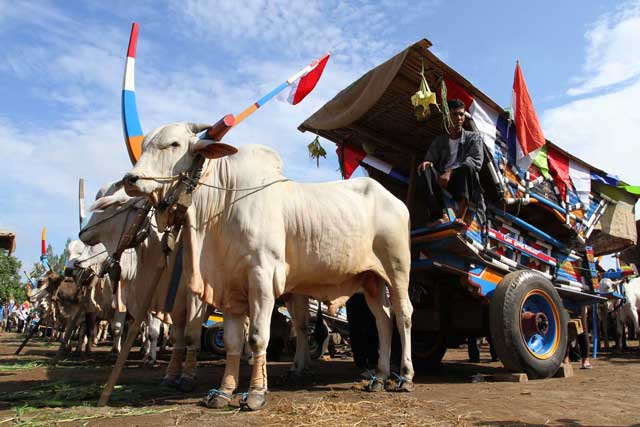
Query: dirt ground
x,y
34,394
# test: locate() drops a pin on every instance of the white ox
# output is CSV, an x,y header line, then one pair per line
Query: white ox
x,y
628,313
247,247
113,211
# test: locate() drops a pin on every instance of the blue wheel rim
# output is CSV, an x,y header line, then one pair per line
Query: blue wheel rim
x,y
218,339
543,342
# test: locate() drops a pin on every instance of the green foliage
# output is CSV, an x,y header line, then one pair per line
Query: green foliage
x,y
10,278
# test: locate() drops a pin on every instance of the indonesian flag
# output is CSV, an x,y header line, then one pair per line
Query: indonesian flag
x,y
302,83
351,157
529,136
485,117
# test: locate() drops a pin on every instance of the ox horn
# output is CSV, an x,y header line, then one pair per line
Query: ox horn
x,y
133,134
198,127
81,214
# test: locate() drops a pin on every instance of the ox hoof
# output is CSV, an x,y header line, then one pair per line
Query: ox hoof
x,y
405,386
401,384
216,399
375,384
186,384
148,364
170,381
254,400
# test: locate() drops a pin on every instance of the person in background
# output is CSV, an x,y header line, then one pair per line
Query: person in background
x,y
3,315
363,334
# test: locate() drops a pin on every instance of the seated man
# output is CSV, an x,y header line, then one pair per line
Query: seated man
x,y
452,163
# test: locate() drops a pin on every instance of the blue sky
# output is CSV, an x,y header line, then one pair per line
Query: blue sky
x,y
61,67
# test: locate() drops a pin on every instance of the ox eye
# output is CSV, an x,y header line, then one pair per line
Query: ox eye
x,y
175,144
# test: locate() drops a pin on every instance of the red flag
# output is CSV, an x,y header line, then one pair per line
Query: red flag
x,y
305,84
528,130
456,91
559,168
351,159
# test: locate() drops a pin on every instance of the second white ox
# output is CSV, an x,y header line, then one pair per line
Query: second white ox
x,y
251,236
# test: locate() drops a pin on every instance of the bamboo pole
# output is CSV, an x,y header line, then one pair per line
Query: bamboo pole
x,y
131,336
28,337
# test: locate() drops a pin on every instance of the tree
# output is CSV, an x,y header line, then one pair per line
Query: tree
x,y
10,278
56,262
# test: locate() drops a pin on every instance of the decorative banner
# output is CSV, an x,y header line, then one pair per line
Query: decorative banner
x,y
559,168
353,157
133,134
581,178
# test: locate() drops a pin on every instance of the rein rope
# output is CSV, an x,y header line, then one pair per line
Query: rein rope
x,y
204,184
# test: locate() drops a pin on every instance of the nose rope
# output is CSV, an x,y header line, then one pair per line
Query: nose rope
x,y
204,184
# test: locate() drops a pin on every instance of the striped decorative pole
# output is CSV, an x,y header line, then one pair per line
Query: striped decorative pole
x,y
133,134
282,86
131,121
43,252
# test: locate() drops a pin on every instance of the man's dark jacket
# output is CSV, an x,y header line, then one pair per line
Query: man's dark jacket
x,y
469,151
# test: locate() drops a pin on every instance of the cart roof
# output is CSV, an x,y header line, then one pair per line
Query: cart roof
x,y
377,109
375,113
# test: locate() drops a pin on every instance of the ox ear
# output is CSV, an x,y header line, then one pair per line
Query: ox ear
x,y
211,149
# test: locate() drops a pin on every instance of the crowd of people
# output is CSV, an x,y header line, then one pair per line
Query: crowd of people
x,y
15,317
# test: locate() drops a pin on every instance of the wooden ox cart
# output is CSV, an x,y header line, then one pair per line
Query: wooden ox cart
x,y
513,276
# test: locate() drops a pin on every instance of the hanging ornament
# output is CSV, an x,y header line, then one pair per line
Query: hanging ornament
x,y
316,151
423,98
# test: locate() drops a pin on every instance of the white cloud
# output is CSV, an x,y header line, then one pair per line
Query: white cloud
x,y
292,28
600,127
613,52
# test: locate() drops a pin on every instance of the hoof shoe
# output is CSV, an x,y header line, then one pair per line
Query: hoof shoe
x,y
216,399
375,385
254,400
406,386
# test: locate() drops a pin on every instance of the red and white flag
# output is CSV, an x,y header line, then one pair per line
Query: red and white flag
x,y
529,136
303,82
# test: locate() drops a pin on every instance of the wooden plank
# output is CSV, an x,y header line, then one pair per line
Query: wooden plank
x,y
508,377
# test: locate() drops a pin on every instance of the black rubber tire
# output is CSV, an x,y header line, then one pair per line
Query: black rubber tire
x,y
504,321
428,350
210,339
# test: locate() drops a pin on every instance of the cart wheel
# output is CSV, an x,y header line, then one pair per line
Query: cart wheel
x,y
215,339
528,324
427,350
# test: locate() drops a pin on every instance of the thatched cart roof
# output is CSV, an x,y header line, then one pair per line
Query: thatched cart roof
x,y
375,114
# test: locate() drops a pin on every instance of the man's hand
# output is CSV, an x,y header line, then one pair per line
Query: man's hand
x,y
422,166
443,180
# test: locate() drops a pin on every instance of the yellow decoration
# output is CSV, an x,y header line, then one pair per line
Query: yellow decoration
x,y
423,98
